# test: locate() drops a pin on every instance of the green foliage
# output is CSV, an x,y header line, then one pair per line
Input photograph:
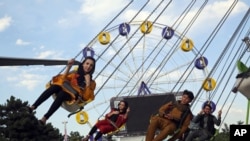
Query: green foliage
x,y
222,137
240,123
75,136
225,134
241,66
17,124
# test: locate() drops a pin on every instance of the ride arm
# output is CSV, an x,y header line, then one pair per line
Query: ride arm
x,y
217,121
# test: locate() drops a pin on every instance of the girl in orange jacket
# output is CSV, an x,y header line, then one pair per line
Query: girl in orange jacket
x,y
80,83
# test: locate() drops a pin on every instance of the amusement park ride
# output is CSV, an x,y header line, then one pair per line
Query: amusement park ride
x,y
11,61
242,82
149,63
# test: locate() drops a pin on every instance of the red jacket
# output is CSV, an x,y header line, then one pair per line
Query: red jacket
x,y
120,120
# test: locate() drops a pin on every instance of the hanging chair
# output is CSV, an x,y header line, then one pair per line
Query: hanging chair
x,y
79,95
242,83
73,106
109,134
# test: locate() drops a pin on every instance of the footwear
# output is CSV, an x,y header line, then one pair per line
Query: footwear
x,y
86,138
235,90
29,109
41,122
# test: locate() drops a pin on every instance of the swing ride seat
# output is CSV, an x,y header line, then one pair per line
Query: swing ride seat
x,y
70,106
117,130
109,134
242,83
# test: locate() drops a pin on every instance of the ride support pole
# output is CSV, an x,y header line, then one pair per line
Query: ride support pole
x,y
248,108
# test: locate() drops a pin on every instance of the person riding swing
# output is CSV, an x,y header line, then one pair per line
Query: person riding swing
x,y
80,82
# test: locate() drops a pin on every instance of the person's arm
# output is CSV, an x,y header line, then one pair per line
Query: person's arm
x,y
87,80
164,108
217,120
68,67
126,114
198,117
123,119
88,93
112,112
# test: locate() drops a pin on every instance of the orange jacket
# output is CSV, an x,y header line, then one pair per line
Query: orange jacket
x,y
69,82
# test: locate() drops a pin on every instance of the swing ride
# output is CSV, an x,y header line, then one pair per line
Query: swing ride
x,y
12,61
149,63
242,81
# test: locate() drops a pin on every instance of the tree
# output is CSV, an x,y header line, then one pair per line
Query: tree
x,y
75,136
225,134
16,123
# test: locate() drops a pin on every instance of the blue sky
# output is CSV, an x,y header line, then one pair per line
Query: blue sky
x,y
60,29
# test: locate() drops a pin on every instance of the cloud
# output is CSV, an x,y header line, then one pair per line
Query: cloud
x,y
46,54
210,16
25,79
70,20
30,81
98,11
5,23
241,6
21,42
49,54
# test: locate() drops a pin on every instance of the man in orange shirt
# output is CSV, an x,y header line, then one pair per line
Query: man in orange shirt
x,y
171,117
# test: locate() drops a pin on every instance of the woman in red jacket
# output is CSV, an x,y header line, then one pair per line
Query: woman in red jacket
x,y
113,120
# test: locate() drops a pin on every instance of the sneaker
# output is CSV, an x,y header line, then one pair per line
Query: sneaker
x,y
86,138
41,122
29,110
235,90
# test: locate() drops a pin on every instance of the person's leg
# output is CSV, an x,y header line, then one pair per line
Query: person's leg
x,y
203,135
98,135
45,95
192,135
91,132
104,128
153,126
168,128
185,134
61,96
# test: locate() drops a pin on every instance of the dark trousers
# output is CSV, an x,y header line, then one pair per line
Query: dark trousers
x,y
199,135
60,97
98,134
